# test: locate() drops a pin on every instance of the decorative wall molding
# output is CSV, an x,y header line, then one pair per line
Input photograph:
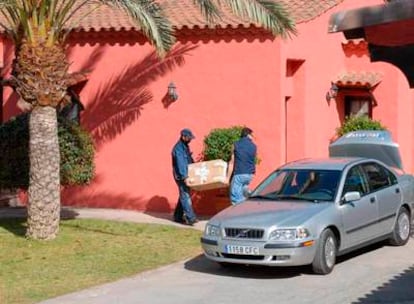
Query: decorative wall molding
x,y
184,35
357,48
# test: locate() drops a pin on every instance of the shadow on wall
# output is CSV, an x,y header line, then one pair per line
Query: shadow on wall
x,y
10,105
77,198
119,102
81,196
86,196
205,203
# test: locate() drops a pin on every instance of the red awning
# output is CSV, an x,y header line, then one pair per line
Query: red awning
x,y
361,79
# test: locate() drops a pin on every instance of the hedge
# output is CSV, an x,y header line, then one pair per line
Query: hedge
x,y
76,153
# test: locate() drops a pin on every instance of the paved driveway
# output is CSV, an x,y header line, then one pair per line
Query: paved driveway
x,y
379,274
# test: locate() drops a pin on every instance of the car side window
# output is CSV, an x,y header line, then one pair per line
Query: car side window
x,y
355,181
378,177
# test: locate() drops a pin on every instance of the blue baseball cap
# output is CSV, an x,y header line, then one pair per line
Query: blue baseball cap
x,y
187,132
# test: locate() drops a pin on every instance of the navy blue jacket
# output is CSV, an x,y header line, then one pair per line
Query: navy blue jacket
x,y
244,156
181,157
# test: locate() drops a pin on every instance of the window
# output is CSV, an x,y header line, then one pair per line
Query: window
x,y
355,181
300,184
378,177
358,106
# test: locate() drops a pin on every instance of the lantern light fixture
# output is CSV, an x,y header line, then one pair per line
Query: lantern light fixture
x,y
172,92
333,92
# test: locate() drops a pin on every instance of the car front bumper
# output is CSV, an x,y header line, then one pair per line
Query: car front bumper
x,y
268,254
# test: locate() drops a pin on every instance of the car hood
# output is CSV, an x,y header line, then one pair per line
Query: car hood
x,y
369,144
266,213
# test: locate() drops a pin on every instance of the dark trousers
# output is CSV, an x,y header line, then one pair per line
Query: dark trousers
x,y
178,212
184,205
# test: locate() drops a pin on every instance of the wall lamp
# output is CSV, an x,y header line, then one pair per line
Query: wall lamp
x,y
172,92
332,93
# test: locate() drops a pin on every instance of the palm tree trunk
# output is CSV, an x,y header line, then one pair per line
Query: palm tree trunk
x,y
44,184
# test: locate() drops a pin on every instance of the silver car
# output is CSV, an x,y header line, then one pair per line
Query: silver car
x,y
311,211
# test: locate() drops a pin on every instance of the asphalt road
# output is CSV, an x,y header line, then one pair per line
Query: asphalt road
x,y
379,274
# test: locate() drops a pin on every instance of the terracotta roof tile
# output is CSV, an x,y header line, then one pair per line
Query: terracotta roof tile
x,y
359,79
184,14
306,10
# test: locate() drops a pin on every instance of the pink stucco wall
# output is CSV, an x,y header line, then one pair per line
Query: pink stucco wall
x,y
220,84
275,87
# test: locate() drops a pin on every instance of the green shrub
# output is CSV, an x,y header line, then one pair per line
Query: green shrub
x,y
76,153
355,123
219,142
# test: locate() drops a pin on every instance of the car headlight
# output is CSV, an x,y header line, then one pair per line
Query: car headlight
x,y
212,230
289,234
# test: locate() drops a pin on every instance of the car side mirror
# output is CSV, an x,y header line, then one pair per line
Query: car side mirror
x,y
351,196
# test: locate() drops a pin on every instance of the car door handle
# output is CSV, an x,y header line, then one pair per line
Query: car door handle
x,y
397,190
372,200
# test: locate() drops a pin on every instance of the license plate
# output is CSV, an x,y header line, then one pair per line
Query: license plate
x,y
248,250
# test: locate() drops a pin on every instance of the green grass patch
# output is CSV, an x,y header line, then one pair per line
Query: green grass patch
x,y
86,253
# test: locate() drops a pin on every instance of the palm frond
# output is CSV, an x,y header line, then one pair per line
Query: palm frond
x,y
49,20
9,9
148,14
270,14
208,9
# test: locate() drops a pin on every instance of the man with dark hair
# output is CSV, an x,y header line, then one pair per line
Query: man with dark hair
x,y
242,165
181,157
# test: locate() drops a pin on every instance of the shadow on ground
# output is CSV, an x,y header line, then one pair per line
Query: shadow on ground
x,y
201,264
9,215
169,216
400,289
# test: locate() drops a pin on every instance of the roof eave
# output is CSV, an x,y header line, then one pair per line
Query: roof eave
x,y
352,22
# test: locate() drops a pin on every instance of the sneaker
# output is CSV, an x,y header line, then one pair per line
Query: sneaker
x,y
190,222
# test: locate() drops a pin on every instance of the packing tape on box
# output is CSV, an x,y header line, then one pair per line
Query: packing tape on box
x,y
202,172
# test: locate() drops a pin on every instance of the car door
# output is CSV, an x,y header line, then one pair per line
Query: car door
x,y
384,186
359,218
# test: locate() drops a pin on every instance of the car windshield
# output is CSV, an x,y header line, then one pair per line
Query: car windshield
x,y
304,184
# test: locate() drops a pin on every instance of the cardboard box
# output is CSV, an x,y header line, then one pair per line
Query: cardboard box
x,y
208,175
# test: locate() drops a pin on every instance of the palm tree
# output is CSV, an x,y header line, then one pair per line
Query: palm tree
x,y
39,28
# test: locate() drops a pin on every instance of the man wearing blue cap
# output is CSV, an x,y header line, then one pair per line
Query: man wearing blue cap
x,y
181,157
242,165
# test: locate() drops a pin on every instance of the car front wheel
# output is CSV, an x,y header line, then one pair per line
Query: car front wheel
x,y
325,256
402,228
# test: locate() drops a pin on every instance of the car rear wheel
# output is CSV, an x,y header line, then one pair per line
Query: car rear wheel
x,y
325,256
402,228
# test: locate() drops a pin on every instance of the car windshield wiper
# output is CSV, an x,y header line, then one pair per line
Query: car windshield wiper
x,y
263,197
295,197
